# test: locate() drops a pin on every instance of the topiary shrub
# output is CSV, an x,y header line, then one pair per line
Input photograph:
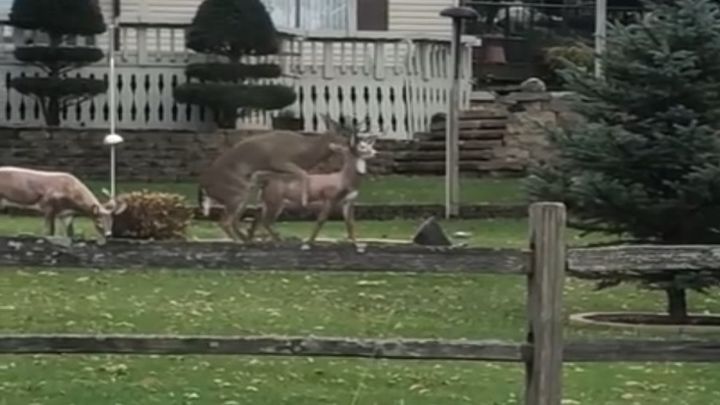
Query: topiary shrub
x,y
233,29
153,215
59,19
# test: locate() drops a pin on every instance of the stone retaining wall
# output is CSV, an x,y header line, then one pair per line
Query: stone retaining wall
x,y
179,156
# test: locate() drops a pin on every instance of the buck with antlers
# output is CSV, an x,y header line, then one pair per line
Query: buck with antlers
x,y
58,195
326,191
230,180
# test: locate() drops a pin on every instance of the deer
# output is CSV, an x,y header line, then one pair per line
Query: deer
x,y
231,178
57,195
326,191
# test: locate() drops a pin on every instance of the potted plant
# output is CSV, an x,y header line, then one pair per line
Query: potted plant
x,y
287,119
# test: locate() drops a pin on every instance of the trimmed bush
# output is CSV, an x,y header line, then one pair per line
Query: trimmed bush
x,y
65,56
49,87
230,72
59,19
153,215
233,29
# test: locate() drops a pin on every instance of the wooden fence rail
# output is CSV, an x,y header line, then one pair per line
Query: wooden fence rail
x,y
544,265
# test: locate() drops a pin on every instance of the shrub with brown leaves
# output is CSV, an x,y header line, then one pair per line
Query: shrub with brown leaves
x,y
153,215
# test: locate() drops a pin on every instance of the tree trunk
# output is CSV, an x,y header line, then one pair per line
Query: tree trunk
x,y
52,113
677,305
225,118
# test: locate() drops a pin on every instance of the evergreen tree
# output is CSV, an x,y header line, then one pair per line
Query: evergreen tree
x,y
233,29
59,19
646,163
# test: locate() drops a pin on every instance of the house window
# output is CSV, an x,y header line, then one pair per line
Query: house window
x,y
329,15
5,6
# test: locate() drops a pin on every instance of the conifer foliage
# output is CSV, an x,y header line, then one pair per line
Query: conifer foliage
x,y
60,20
233,29
646,163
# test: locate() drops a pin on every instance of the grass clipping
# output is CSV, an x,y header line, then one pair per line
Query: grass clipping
x,y
153,215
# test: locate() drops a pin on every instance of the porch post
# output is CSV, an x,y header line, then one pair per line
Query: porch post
x,y
452,147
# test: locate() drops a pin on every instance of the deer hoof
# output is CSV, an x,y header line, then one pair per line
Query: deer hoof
x,y
305,246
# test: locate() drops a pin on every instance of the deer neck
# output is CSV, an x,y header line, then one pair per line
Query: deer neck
x,y
352,171
318,148
84,199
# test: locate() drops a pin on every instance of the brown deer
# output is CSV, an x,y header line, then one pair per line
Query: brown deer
x,y
229,180
58,195
325,193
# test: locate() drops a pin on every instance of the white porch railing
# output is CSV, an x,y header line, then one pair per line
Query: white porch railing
x,y
394,82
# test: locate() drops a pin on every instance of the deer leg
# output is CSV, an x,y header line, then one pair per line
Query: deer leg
x,y
348,211
67,222
321,218
270,214
225,224
254,225
49,223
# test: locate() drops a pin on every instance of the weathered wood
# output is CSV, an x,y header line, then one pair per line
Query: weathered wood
x,y
129,254
594,262
643,351
545,290
420,349
416,349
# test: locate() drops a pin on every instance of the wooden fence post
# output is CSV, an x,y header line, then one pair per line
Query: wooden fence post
x,y
543,385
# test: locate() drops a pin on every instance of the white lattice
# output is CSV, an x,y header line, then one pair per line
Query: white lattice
x,y
394,84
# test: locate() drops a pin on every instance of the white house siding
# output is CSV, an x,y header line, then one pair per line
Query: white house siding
x,y
413,16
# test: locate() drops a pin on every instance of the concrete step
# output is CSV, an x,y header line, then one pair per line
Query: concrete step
x,y
438,168
494,123
439,155
467,134
467,145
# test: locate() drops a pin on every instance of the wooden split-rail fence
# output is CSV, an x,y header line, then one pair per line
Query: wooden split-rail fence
x,y
544,264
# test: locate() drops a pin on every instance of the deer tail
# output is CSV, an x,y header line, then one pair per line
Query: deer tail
x,y
203,201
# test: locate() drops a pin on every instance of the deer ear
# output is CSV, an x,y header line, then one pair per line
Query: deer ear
x,y
120,207
335,147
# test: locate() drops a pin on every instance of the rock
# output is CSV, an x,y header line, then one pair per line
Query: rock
x,y
533,85
430,233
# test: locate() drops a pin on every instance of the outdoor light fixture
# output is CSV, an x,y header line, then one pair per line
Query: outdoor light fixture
x,y
112,139
452,147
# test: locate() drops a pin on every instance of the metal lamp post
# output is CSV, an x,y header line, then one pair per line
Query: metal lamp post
x,y
600,32
452,147
112,139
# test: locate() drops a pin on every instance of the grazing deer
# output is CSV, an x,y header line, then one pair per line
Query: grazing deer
x,y
57,195
326,191
230,180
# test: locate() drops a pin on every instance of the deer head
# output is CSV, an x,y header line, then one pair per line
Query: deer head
x,y
103,214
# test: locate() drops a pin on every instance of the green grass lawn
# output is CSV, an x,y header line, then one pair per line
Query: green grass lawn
x,y
381,189
362,305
